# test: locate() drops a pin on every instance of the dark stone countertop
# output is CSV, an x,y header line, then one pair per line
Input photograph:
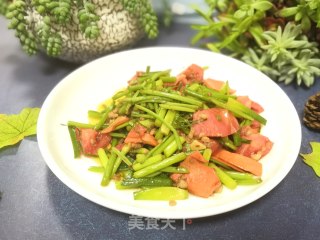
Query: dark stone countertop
x,y
35,204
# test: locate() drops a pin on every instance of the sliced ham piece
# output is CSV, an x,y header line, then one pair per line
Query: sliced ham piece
x,y
201,180
91,140
139,134
214,122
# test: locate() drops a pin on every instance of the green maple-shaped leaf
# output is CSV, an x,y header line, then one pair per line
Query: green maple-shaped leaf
x,y
313,158
13,128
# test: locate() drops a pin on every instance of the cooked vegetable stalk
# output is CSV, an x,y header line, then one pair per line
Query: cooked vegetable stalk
x,y
161,193
104,117
162,146
75,144
173,96
146,182
240,175
109,166
160,165
235,105
170,115
80,125
207,154
243,178
121,157
162,113
96,169
178,107
172,147
224,178
175,170
149,161
253,181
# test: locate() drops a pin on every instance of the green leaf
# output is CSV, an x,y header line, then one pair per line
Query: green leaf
x,y
313,159
13,128
240,14
298,16
262,5
212,47
256,31
305,23
202,13
287,12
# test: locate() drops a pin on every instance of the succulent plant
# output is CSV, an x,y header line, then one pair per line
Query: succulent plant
x,y
79,30
281,38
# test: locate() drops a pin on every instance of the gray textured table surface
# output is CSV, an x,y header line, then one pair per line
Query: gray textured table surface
x,y
37,205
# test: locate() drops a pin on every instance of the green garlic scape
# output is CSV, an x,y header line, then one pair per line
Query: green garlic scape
x,y
280,38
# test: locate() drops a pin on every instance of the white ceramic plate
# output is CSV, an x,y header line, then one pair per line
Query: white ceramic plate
x,y
96,81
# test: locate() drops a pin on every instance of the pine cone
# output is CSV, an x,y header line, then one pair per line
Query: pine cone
x,y
311,116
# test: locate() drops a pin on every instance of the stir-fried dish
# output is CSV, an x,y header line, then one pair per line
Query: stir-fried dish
x,y
168,136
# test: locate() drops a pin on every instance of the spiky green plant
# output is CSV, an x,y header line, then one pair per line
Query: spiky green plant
x,y
280,38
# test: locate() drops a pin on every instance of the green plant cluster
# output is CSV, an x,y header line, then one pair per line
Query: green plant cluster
x,y
51,41
147,17
16,13
60,10
58,13
89,20
3,7
280,38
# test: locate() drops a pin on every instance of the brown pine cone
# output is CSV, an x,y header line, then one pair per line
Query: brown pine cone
x,y
311,116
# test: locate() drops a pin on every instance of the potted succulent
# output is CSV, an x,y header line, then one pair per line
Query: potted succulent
x,y
79,31
280,38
